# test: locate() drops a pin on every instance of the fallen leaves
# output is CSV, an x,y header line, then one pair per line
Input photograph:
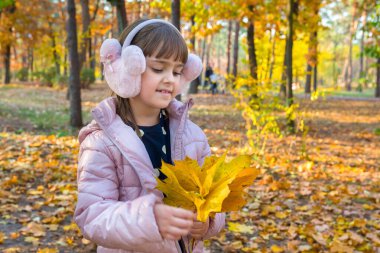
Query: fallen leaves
x,y
35,229
325,200
38,193
330,192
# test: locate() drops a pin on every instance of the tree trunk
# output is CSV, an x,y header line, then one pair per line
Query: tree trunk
x,y
7,64
362,73
74,81
193,89
11,8
251,48
122,21
236,49
192,39
176,21
315,37
289,68
268,57
229,46
273,58
334,70
91,54
377,90
176,14
30,62
310,58
65,62
86,39
309,70
315,81
203,49
284,71
349,73
208,49
54,47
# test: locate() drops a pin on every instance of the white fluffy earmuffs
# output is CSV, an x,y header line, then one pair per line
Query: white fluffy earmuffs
x,y
123,66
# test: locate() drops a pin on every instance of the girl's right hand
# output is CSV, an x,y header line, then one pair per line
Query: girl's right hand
x,y
173,222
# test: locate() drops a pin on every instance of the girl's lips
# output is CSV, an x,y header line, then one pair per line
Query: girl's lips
x,y
165,91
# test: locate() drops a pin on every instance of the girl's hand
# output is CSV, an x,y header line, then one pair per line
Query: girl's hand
x,y
199,229
173,222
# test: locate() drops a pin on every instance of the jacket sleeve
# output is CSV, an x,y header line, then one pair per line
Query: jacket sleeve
x,y
110,223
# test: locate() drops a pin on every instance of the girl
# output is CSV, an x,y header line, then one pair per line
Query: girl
x,y
121,150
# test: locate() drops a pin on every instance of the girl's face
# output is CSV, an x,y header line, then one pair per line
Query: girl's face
x,y
159,83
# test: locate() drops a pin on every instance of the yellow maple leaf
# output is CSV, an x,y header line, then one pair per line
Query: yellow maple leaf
x,y
215,187
276,249
240,228
235,200
47,250
1,237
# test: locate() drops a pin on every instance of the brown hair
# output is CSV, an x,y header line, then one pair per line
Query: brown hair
x,y
158,39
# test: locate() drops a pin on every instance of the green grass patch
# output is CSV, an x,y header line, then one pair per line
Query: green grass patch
x,y
366,93
329,92
46,121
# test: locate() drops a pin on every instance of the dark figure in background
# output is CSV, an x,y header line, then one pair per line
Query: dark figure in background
x,y
208,73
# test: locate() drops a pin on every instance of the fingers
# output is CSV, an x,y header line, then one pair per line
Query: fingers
x,y
174,233
173,222
182,213
199,229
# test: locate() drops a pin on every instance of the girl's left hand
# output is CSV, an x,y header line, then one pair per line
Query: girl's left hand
x,y
199,229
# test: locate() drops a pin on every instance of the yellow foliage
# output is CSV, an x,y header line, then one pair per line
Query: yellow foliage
x,y
215,187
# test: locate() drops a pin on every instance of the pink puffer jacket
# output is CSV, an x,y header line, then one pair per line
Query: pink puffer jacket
x,y
116,183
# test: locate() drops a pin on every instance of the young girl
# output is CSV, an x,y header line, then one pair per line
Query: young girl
x,y
121,150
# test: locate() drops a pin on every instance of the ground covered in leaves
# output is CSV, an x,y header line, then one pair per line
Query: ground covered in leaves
x,y
316,193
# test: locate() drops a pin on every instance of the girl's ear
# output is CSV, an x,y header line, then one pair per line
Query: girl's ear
x,y
191,70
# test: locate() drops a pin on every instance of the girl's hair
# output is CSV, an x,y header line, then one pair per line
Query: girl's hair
x,y
157,39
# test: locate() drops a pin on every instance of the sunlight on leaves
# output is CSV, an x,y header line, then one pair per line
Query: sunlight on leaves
x,y
217,186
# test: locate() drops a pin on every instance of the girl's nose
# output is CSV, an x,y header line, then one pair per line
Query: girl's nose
x,y
169,77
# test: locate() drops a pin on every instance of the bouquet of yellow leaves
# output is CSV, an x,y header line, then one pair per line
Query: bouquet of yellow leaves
x,y
215,187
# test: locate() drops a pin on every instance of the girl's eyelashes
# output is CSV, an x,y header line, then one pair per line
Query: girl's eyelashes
x,y
157,70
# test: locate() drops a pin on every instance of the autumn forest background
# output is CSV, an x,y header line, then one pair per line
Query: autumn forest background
x,y
298,88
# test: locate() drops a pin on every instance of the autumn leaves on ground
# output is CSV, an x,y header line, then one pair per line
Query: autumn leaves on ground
x,y
316,193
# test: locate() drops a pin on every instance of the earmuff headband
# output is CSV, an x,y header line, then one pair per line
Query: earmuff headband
x,y
140,26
